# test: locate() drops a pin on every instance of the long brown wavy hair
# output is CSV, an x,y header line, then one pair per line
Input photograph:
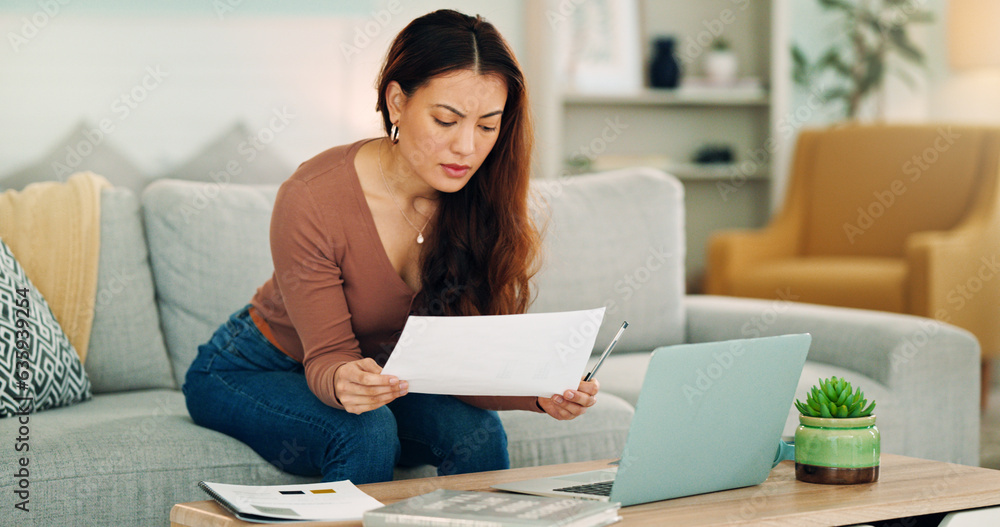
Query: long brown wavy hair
x,y
481,254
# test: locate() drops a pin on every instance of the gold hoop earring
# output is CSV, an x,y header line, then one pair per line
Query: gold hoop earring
x,y
394,134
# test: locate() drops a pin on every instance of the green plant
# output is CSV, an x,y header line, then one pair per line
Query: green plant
x,y
719,44
872,31
833,397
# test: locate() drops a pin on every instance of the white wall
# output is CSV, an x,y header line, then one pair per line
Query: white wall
x,y
961,96
198,67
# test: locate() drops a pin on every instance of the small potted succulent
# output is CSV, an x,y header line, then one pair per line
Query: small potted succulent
x,y
720,63
837,441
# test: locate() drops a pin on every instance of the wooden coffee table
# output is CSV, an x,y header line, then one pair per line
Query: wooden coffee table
x,y
907,487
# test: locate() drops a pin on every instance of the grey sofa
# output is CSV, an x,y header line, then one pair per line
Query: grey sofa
x,y
175,266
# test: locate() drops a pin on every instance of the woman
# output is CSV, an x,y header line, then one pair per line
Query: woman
x,y
430,220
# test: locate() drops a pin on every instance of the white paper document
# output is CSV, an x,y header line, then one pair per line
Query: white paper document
x,y
333,501
538,354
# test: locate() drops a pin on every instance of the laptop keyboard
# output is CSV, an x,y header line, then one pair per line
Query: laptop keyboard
x,y
602,488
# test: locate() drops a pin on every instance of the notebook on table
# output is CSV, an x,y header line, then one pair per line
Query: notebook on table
x,y
709,417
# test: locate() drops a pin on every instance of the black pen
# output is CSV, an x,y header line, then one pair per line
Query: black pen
x,y
606,352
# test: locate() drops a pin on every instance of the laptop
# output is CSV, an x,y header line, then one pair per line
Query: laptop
x,y
709,417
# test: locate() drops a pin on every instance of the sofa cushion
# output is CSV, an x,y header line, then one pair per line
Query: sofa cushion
x,y
615,239
100,156
622,374
535,439
232,157
858,282
39,368
209,247
125,459
126,350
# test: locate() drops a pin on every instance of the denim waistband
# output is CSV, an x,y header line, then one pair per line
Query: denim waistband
x,y
264,329
240,338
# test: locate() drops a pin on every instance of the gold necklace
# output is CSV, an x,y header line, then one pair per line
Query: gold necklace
x,y
420,231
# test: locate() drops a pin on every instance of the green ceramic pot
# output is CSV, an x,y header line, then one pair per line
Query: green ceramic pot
x,y
837,451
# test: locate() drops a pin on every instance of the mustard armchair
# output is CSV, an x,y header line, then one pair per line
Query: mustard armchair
x,y
902,218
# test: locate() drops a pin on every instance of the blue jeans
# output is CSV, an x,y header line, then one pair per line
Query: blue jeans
x,y
243,386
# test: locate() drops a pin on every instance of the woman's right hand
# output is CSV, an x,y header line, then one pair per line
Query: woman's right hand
x,y
360,387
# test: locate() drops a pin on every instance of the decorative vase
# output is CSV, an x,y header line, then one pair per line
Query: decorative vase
x,y
837,451
721,66
664,71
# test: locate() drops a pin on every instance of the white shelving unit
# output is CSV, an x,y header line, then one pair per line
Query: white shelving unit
x,y
675,97
728,172
664,128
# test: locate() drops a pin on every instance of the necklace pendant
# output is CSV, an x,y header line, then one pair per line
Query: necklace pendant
x,y
420,237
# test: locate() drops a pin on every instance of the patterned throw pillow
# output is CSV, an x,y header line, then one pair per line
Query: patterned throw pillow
x,y
39,368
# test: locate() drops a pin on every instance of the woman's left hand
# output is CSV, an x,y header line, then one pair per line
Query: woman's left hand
x,y
572,403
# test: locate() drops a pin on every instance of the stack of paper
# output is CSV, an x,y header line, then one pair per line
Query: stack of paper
x,y
336,501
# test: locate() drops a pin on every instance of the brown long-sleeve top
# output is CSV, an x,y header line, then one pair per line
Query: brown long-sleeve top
x,y
334,296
